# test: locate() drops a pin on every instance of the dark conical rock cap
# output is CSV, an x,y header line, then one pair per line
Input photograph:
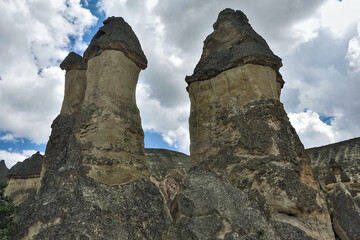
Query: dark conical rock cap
x,y
116,34
233,43
30,167
73,61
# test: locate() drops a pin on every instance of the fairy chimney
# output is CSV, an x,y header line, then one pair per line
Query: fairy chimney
x,y
251,177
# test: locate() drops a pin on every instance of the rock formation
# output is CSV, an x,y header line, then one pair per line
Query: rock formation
x,y
337,167
250,175
95,182
24,179
345,154
4,171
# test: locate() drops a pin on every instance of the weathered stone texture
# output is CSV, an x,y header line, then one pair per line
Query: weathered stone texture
x,y
111,134
345,213
168,170
225,93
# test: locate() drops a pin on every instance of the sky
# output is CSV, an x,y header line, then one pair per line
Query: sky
x,y
318,41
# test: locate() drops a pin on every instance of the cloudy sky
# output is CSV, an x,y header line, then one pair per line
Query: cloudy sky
x,y
319,42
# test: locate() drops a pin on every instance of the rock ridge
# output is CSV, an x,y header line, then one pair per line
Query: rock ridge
x,y
30,167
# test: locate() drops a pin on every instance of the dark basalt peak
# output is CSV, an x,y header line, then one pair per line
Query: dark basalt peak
x,y
116,34
29,168
3,172
73,61
233,43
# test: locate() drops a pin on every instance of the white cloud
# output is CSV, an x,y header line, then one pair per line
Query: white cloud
x,y
170,122
34,40
11,158
8,138
311,130
353,54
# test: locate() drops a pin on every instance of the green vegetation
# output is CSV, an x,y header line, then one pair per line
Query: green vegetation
x,y
7,215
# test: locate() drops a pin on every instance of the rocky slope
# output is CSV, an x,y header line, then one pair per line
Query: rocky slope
x,y
346,154
337,167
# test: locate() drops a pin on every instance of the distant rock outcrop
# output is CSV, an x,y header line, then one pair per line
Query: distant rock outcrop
x,y
24,178
250,177
345,155
4,171
337,167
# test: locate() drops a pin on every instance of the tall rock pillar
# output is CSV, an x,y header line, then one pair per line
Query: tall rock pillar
x,y
95,184
75,83
111,135
251,178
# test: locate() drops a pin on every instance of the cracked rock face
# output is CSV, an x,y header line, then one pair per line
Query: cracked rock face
x,y
242,141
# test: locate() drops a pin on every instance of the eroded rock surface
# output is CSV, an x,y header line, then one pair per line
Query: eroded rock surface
x,y
345,212
24,179
337,167
251,177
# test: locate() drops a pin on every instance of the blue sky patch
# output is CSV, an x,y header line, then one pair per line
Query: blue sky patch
x,y
327,119
18,144
155,140
92,6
